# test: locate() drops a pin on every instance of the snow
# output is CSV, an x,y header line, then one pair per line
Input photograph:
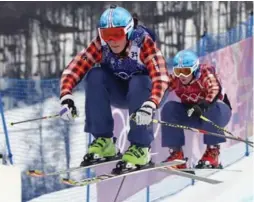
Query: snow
x,y
10,177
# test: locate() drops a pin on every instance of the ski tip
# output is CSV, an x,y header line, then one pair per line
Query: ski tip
x,y
68,181
35,173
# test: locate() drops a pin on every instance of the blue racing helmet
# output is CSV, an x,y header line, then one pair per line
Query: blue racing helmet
x,y
117,17
186,58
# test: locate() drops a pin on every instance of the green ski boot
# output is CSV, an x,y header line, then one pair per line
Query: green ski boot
x,y
138,156
134,158
100,150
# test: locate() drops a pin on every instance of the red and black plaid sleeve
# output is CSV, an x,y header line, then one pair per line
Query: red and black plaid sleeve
x,y
210,82
172,82
151,56
79,66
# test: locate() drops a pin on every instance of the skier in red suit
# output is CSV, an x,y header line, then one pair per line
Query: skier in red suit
x,y
200,93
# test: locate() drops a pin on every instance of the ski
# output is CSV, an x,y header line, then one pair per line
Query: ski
x,y
189,175
208,169
39,173
106,177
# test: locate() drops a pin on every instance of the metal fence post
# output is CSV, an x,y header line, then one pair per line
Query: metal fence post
x,y
5,131
148,194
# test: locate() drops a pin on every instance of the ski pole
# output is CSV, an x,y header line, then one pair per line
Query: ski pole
x,y
203,131
220,128
41,118
132,117
215,125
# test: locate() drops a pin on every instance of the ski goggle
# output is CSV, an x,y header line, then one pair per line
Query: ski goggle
x,y
184,71
113,33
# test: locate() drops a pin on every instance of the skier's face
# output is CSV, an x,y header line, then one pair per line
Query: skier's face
x,y
186,80
117,46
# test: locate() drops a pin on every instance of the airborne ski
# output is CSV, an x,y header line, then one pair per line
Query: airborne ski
x,y
106,177
208,169
39,173
186,174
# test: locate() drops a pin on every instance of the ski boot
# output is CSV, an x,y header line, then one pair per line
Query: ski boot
x,y
176,155
210,159
134,158
101,150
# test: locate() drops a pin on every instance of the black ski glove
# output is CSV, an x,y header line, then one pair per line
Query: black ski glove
x,y
199,109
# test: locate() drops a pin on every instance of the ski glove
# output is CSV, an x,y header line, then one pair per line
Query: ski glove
x,y
68,110
199,109
144,115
